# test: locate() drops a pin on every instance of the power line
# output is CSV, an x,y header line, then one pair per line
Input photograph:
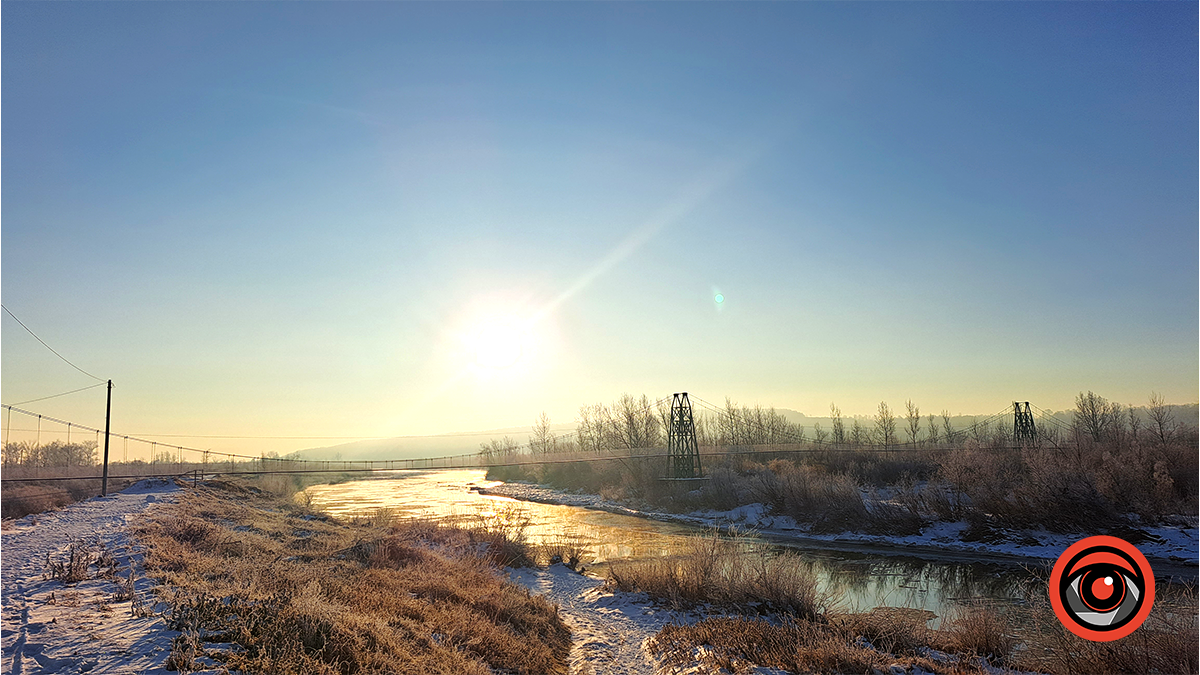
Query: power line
x,y
326,438
14,316
74,391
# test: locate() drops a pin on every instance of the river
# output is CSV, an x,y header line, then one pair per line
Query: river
x,y
862,580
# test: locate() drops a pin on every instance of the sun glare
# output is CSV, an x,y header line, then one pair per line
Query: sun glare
x,y
500,344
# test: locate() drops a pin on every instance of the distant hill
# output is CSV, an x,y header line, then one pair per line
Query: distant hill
x,y
404,447
458,443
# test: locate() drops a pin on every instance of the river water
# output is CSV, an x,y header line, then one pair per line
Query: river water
x,y
860,579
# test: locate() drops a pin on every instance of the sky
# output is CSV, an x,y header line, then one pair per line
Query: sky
x,y
377,219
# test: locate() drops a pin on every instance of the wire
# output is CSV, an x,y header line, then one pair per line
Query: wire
x,y
14,316
300,438
74,391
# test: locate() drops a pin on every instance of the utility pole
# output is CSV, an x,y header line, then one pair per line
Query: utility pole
x,y
107,419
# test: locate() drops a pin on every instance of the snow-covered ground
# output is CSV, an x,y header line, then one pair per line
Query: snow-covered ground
x,y
51,627
1177,545
608,630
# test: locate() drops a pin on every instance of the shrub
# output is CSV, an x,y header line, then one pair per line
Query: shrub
x,y
978,630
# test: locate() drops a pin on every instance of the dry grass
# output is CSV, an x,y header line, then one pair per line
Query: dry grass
x,y
874,641
1168,642
799,632
973,639
300,593
733,574
979,630
78,563
22,499
739,643
566,550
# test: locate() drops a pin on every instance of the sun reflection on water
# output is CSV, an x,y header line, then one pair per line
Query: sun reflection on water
x,y
862,581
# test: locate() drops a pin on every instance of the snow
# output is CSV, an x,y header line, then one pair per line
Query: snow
x,y
1177,545
51,627
609,630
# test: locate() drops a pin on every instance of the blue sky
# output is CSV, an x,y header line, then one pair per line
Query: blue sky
x,y
297,218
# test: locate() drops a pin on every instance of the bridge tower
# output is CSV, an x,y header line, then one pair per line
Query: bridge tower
x,y
683,453
1024,432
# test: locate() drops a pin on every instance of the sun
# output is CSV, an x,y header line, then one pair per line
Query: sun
x,y
500,343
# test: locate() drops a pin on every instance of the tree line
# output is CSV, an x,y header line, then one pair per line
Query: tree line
x,y
637,422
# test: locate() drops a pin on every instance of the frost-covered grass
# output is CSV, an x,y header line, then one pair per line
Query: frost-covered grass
x,y
733,575
294,591
770,614
976,640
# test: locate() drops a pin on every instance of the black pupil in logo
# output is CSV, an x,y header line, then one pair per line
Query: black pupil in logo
x,y
1102,587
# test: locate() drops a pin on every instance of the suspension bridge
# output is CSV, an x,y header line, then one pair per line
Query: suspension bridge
x,y
682,458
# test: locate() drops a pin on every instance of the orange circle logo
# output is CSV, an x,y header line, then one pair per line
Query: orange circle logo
x,y
1102,588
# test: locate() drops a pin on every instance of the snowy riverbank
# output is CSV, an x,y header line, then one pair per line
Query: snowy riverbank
x,y
609,631
1176,549
52,627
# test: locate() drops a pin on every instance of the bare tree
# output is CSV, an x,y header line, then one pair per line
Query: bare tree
x,y
740,425
55,453
1135,424
637,424
541,440
498,447
731,427
664,420
913,414
933,429
819,434
858,434
839,428
1162,420
980,431
947,427
1116,425
708,432
595,428
1094,416
585,430
885,425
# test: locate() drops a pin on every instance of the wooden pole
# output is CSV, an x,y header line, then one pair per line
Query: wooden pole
x,y
107,419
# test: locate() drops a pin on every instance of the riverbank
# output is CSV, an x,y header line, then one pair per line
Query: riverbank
x,y
228,576
74,597
631,633
1172,551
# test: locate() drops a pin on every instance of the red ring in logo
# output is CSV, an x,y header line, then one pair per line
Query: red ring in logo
x,y
1102,617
